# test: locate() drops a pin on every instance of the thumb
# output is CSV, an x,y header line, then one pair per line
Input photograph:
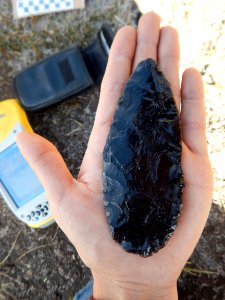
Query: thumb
x,y
80,219
48,165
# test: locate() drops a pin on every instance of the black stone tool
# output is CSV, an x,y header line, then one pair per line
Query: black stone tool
x,y
142,176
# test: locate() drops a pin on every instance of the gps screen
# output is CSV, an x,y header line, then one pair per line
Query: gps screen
x,y
17,177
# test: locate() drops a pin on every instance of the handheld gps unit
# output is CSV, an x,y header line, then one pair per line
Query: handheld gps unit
x,y
19,185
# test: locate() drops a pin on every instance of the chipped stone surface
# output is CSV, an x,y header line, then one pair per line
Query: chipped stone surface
x,y
26,41
142,175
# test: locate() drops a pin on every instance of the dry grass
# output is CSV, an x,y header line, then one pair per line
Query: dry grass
x,y
201,28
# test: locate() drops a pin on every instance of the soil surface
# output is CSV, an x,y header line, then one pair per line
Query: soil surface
x,y
43,264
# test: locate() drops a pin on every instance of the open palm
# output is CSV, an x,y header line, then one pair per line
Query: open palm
x,y
77,205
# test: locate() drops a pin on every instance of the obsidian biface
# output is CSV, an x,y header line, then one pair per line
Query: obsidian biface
x,y
142,175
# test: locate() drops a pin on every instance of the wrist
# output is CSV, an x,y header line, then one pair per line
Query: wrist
x,y
107,289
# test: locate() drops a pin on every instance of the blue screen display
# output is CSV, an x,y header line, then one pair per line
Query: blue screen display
x,y
17,177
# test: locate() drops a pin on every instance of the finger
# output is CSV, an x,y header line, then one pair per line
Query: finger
x,y
117,73
168,59
147,38
68,201
193,119
197,197
47,163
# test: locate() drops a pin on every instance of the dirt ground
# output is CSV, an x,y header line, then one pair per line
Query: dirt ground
x,y
42,264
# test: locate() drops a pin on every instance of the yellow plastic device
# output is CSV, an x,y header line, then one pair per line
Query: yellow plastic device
x,y
19,186
10,113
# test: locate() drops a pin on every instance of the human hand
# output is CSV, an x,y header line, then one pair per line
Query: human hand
x,y
77,205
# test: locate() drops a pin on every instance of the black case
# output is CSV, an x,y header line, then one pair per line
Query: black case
x,y
64,74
